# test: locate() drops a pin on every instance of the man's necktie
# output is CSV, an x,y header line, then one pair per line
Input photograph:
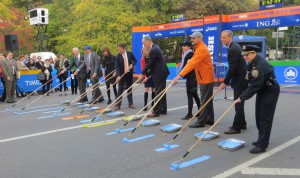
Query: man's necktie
x,y
89,62
125,63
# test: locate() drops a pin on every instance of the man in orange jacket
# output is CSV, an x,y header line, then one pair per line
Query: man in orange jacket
x,y
201,62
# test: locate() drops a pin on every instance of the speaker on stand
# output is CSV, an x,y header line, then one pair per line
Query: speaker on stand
x,y
11,42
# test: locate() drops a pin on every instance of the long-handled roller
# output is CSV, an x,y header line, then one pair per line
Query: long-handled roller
x,y
125,139
119,97
176,165
84,94
168,144
98,97
150,102
45,93
35,91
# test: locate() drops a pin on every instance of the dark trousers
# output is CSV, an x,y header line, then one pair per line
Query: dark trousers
x,y
191,91
265,107
74,84
128,80
207,114
161,106
108,89
46,87
239,117
96,93
82,86
61,79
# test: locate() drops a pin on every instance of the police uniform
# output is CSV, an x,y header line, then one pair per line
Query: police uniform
x,y
262,82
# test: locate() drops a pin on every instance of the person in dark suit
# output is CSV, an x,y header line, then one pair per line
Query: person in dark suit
x,y
125,62
10,69
159,73
236,78
191,81
81,77
92,66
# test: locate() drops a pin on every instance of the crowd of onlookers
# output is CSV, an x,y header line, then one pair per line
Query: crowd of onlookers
x,y
25,62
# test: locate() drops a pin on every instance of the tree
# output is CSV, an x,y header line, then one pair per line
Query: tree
x,y
17,25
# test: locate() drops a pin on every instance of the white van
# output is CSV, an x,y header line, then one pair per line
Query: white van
x,y
44,55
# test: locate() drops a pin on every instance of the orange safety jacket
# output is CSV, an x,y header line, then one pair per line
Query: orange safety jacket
x,y
202,64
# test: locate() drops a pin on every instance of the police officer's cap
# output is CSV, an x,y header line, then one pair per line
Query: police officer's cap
x,y
250,48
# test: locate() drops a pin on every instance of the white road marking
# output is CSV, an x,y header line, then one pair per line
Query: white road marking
x,y
289,86
257,159
271,171
65,129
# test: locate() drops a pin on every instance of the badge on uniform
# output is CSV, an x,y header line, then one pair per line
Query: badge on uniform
x,y
254,72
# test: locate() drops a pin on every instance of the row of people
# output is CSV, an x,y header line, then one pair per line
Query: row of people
x,y
257,77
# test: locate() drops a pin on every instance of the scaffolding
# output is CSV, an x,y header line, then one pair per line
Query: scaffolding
x,y
291,46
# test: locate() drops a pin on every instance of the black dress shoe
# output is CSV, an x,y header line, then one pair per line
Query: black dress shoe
x,y
196,125
257,150
187,117
232,131
254,143
210,123
100,100
109,102
145,109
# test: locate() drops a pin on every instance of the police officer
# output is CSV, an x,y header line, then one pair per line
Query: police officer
x,y
262,82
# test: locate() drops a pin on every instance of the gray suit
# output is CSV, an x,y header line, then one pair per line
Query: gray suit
x,y
92,66
10,85
81,76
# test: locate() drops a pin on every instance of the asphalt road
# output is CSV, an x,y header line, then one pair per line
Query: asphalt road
x,y
31,146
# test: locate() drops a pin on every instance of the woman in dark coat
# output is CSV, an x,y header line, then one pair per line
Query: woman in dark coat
x,y
108,65
60,65
47,69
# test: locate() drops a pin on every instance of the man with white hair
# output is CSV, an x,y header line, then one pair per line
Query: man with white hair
x,y
159,72
78,59
202,64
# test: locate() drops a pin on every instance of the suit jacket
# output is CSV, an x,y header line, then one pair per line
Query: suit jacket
x,y
237,67
77,63
8,69
94,64
157,64
120,63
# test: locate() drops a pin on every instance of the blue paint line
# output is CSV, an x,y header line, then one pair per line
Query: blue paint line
x,y
55,111
40,110
189,163
141,138
54,115
124,130
90,120
166,149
